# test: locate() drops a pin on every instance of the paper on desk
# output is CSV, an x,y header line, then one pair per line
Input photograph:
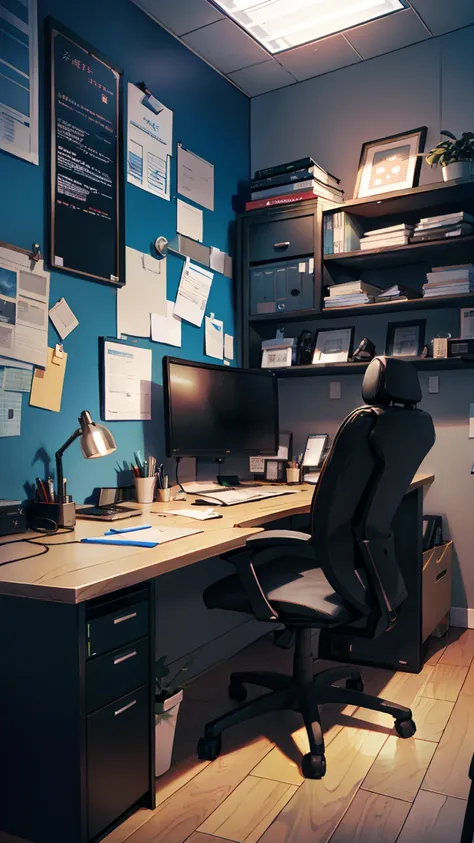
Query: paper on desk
x,y
10,413
198,514
47,384
195,178
17,378
193,293
189,221
166,329
229,346
144,538
143,293
63,318
214,338
150,143
201,486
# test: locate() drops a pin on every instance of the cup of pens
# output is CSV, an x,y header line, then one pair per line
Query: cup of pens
x,y
163,491
292,473
145,477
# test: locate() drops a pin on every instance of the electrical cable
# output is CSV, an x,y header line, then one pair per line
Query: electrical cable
x,y
178,460
34,541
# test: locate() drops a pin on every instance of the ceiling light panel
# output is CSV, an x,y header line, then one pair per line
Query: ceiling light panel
x,y
282,24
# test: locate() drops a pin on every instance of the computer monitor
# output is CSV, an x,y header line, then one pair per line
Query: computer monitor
x,y
212,409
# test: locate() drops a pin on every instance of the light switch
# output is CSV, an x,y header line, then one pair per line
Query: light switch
x,y
433,384
334,389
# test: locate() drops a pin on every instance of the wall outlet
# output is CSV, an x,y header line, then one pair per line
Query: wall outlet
x,y
433,384
334,390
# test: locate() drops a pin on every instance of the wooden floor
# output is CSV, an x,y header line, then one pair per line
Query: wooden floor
x,y
378,788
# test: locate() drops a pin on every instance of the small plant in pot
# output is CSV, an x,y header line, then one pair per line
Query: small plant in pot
x,y
168,698
455,156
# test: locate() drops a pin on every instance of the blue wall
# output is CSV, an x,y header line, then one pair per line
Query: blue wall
x,y
210,117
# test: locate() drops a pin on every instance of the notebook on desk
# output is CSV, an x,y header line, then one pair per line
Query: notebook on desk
x,y
231,497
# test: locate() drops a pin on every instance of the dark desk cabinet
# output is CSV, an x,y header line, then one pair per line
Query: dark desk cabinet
x,y
76,715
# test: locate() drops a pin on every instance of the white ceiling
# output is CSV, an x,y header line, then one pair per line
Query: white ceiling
x,y
235,54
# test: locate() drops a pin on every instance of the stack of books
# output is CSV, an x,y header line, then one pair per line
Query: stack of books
x,y
449,280
393,235
292,182
399,292
351,294
341,233
445,225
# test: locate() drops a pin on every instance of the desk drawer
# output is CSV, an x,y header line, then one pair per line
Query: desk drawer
x,y
281,238
112,625
113,675
118,758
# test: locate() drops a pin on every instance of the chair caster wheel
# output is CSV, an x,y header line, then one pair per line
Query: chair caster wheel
x,y
237,692
313,766
208,749
355,685
405,728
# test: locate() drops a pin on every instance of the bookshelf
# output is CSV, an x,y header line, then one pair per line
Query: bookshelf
x,y
426,364
382,266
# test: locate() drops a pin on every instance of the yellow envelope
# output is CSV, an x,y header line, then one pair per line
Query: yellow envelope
x,y
47,384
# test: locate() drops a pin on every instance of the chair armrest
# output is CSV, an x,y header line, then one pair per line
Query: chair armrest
x,y
259,604
280,538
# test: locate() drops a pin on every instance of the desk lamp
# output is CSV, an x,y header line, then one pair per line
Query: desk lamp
x,y
96,441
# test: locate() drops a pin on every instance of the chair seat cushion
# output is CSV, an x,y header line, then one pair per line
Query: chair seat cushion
x,y
295,589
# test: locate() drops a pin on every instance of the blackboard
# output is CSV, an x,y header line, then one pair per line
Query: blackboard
x,y
86,146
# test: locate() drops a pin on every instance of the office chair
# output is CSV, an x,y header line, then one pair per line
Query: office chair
x,y
468,826
344,575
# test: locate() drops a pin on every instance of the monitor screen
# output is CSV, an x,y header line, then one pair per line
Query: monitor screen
x,y
219,410
315,445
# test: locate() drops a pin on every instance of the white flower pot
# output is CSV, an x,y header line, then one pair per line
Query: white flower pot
x,y
165,727
457,170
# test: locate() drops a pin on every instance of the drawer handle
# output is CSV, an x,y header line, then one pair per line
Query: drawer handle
x,y
125,708
121,659
283,245
125,618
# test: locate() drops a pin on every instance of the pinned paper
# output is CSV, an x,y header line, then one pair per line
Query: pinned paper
x,y
10,413
193,293
214,337
228,346
63,318
17,379
189,221
221,262
47,385
166,329
143,293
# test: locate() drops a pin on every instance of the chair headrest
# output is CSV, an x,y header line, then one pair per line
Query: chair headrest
x,y
390,380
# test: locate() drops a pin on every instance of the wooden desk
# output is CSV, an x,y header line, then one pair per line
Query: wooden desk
x,y
77,660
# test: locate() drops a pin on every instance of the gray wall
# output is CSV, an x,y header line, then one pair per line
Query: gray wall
x,y
329,118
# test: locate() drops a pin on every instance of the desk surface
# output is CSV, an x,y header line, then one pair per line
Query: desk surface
x,y
75,572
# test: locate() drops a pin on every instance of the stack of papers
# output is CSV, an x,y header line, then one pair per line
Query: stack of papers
x,y
145,536
229,497
198,514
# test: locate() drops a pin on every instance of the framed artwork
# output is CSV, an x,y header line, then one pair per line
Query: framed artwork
x,y
333,346
391,163
405,339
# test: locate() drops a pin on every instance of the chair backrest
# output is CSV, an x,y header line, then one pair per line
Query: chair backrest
x,y
375,454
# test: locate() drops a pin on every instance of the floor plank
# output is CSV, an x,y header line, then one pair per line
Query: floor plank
x,y
445,682
372,818
184,811
467,689
434,819
249,810
400,688
400,768
197,837
448,771
461,651
431,717
313,813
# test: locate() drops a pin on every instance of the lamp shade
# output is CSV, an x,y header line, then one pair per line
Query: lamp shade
x,y
96,440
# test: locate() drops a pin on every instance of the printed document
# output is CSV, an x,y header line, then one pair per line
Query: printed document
x,y
127,382
19,79
17,379
24,296
189,220
144,293
195,178
10,413
193,293
150,143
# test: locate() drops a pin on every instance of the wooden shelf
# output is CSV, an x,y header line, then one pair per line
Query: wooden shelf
x,y
368,309
457,194
423,364
433,252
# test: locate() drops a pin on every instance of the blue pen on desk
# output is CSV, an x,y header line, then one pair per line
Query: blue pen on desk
x,y
113,531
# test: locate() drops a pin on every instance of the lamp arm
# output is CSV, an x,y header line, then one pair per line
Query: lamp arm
x,y
59,463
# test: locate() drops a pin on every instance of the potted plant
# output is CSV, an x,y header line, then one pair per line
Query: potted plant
x,y
168,698
455,156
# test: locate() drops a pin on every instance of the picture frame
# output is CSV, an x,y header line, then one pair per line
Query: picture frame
x,y
333,346
390,163
405,339
275,470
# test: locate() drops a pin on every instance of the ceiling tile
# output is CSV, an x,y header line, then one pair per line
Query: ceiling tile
x,y
181,16
226,46
319,57
261,78
442,16
386,34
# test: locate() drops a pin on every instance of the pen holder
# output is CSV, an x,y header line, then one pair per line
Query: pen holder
x,y
163,495
292,476
63,514
145,489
